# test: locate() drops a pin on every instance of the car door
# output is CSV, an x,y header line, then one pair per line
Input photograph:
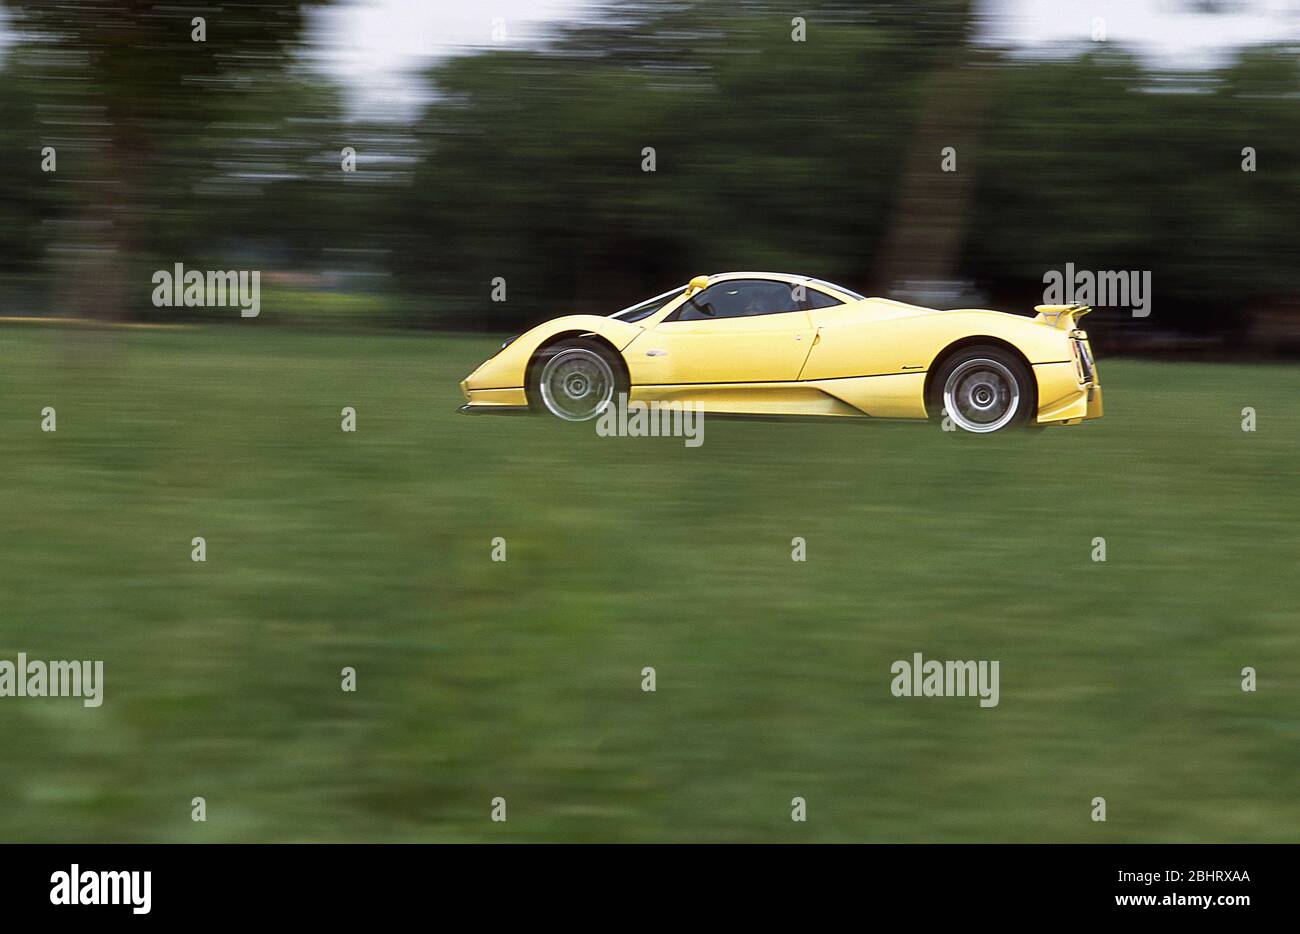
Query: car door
x,y
735,331
872,338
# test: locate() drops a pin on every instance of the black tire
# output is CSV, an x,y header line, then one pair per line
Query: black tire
x,y
575,379
990,389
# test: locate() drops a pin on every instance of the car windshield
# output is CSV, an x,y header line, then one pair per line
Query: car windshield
x,y
648,307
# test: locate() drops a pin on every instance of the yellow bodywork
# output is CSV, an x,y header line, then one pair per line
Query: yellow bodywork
x,y
863,358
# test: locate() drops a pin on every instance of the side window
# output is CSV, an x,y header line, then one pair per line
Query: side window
x,y
814,299
738,298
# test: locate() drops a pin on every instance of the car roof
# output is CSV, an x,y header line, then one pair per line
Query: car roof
x,y
785,277
780,276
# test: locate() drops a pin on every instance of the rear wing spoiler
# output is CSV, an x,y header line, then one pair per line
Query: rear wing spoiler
x,y
1062,317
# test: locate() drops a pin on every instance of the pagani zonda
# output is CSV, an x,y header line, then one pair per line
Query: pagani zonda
x,y
773,344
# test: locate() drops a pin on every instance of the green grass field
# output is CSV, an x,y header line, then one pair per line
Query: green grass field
x,y
523,678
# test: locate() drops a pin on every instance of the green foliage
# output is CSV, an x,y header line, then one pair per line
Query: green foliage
x,y
1094,162
767,157
784,155
25,202
527,165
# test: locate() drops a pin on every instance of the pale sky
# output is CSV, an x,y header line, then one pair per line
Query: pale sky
x,y
378,46
1167,33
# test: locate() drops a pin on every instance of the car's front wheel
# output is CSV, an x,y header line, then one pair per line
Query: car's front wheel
x,y
575,379
985,389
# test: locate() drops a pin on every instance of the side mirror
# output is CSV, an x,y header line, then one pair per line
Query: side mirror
x,y
698,283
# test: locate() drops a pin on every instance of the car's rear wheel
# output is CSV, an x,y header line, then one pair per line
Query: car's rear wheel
x,y
575,379
985,389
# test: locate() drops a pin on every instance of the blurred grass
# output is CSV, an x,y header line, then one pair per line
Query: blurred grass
x,y
522,678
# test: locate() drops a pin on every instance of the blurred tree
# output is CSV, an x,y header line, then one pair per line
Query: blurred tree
x,y
814,149
769,152
930,216
131,96
26,205
1097,162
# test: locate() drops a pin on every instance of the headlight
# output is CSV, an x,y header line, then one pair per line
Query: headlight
x,y
508,341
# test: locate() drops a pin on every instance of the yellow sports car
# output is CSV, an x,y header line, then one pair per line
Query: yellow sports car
x,y
759,343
